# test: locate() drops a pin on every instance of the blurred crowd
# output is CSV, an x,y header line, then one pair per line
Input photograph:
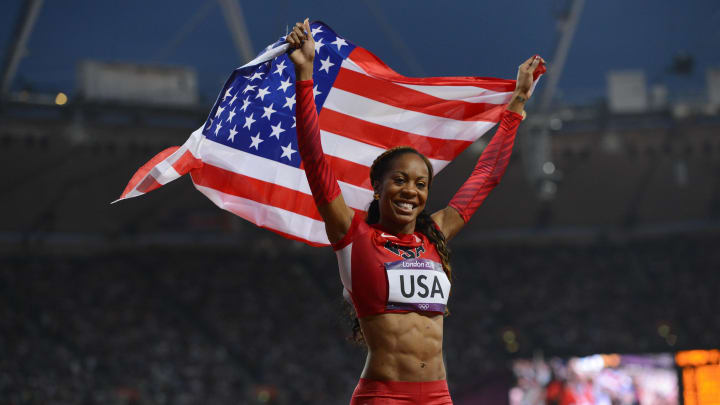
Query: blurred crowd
x,y
265,323
596,380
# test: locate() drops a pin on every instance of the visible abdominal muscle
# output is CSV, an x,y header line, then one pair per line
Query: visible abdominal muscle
x,y
404,346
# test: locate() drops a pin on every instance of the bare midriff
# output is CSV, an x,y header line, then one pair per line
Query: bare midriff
x,y
404,346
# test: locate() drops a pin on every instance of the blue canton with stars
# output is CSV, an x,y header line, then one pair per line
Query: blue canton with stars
x,y
255,111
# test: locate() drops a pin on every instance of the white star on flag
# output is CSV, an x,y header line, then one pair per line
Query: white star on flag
x,y
248,88
231,138
316,92
326,65
318,44
290,102
287,151
248,121
262,93
339,42
257,75
231,115
280,68
294,122
246,103
256,141
284,85
227,93
316,31
277,130
232,100
219,111
268,112
217,128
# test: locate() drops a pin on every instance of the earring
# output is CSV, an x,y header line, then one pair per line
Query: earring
x,y
376,196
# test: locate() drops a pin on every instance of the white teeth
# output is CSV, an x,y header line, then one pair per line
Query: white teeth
x,y
405,205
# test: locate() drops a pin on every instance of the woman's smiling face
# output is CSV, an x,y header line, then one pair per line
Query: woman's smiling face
x,y
403,190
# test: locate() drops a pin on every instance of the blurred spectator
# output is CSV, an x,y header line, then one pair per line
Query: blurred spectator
x,y
184,326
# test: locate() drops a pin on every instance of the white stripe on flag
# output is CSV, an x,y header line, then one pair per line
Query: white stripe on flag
x,y
355,197
163,172
279,219
254,166
131,194
267,54
351,65
356,151
259,168
404,120
470,94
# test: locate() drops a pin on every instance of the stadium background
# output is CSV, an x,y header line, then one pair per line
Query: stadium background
x,y
600,239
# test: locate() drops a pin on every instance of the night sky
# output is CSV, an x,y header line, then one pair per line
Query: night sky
x,y
416,38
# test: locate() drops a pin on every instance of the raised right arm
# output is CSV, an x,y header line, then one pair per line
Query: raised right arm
x,y
323,184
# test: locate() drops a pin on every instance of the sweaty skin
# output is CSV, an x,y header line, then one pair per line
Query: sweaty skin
x,y
404,347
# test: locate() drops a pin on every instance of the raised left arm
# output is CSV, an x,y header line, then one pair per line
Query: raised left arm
x,y
493,161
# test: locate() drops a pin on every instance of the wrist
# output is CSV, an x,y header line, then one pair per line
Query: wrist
x,y
517,102
304,72
520,96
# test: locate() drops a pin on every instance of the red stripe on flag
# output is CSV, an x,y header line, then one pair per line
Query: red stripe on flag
x,y
148,184
186,162
402,97
375,67
145,169
252,189
350,172
384,137
260,191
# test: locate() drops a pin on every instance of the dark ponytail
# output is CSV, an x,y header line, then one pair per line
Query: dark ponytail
x,y
423,224
373,212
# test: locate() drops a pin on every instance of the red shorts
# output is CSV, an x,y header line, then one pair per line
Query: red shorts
x,y
374,392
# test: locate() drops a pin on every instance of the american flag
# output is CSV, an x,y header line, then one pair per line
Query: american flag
x,y
245,157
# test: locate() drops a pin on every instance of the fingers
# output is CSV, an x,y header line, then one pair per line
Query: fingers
x,y
308,32
299,29
537,61
526,63
293,40
531,64
306,25
298,35
534,64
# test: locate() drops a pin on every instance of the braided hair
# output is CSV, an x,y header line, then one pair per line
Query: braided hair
x,y
423,224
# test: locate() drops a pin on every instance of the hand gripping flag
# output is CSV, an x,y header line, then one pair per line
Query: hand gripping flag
x,y
245,157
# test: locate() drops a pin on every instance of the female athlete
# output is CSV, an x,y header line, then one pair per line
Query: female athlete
x,y
394,262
